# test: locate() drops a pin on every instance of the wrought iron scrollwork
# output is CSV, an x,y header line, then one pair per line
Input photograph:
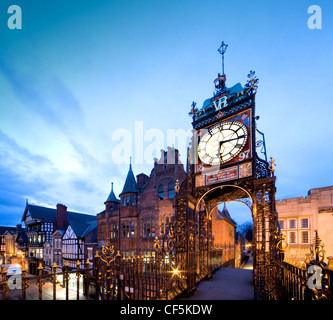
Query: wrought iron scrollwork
x,y
263,170
260,143
315,262
246,201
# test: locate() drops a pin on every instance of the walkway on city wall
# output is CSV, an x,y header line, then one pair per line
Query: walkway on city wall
x,y
226,284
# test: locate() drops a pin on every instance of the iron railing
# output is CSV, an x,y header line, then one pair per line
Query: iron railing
x,y
113,277
311,279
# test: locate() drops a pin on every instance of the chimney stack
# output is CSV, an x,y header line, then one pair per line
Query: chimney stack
x,y
61,220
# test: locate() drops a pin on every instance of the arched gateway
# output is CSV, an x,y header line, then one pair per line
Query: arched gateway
x,y
227,161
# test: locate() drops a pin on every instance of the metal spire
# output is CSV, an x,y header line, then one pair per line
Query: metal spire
x,y
222,49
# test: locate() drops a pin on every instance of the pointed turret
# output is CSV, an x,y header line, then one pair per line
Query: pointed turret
x,y
112,196
130,185
224,214
129,195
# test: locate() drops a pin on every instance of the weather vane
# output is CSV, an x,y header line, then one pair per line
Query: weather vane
x,y
222,49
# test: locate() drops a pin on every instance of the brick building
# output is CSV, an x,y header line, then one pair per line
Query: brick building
x,y
144,208
223,229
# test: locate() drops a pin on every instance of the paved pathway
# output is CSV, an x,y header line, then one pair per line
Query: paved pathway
x,y
226,284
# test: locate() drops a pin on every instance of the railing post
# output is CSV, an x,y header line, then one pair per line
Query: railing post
x,y
118,275
78,279
97,275
24,282
108,281
66,278
54,280
4,285
87,278
40,281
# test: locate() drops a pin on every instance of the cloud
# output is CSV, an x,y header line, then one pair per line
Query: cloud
x,y
22,175
16,159
42,92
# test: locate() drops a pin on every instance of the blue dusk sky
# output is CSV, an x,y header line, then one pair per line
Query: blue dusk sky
x,y
85,85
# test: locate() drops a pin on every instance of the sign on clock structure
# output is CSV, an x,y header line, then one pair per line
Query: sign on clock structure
x,y
227,161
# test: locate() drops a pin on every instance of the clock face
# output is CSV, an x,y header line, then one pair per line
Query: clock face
x,y
222,143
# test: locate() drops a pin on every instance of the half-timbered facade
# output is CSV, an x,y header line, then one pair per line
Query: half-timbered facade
x,y
42,222
79,243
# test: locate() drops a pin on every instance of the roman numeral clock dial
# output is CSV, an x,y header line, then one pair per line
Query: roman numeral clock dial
x,y
222,143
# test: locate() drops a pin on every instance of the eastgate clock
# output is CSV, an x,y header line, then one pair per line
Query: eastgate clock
x,y
222,143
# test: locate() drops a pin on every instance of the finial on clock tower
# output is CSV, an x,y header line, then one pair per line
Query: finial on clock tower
x,y
221,79
222,49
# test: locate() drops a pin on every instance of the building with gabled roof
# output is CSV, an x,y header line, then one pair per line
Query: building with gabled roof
x,y
79,243
41,223
12,244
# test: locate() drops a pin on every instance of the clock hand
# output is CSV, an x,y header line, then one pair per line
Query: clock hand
x,y
219,149
225,141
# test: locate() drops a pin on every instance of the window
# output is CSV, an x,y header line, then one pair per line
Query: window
x,y
292,224
305,223
102,232
127,200
164,224
128,229
292,237
114,230
171,190
125,231
161,192
132,229
148,227
162,227
167,222
132,200
305,237
281,224
90,253
145,229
